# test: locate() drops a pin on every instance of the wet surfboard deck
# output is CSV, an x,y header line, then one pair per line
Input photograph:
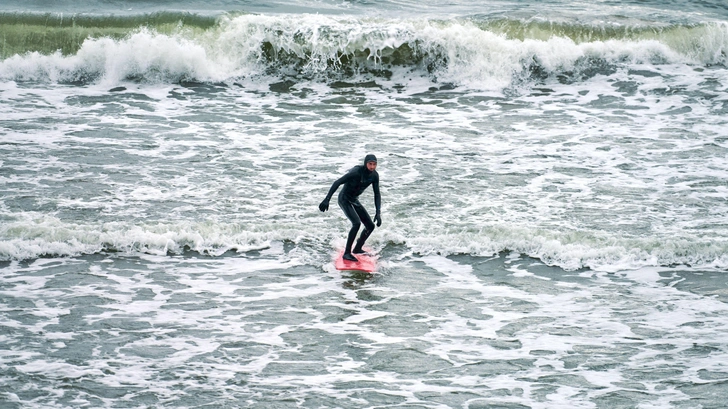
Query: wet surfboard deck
x,y
366,263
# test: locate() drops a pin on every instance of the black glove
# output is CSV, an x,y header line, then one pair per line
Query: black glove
x,y
324,206
378,219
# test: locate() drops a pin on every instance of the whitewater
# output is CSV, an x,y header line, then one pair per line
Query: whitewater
x,y
554,209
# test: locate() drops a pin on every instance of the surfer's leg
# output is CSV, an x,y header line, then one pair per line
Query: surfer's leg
x,y
368,229
352,215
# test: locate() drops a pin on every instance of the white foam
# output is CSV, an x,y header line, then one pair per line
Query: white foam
x,y
612,172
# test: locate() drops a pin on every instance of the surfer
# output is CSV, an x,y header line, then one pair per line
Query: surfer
x,y
355,182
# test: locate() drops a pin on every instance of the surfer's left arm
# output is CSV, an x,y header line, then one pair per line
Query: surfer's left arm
x,y
377,201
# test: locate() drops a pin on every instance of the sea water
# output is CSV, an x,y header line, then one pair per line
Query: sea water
x,y
553,180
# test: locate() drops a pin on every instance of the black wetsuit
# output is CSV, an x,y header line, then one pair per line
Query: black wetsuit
x,y
355,182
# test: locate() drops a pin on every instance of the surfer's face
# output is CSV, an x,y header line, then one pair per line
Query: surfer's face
x,y
371,166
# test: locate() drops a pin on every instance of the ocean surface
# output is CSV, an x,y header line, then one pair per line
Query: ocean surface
x,y
554,180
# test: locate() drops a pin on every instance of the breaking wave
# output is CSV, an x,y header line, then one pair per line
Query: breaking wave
x,y
474,51
47,236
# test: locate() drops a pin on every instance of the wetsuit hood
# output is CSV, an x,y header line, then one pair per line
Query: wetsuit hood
x,y
369,158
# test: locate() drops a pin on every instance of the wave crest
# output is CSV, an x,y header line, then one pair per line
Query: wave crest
x,y
489,54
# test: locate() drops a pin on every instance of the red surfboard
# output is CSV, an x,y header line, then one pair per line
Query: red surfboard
x,y
366,263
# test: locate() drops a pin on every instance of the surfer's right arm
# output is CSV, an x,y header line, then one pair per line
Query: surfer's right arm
x,y
324,206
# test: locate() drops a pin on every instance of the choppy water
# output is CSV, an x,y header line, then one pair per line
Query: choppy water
x,y
554,204
267,330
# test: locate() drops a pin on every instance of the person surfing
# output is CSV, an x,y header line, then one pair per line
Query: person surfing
x,y
355,181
